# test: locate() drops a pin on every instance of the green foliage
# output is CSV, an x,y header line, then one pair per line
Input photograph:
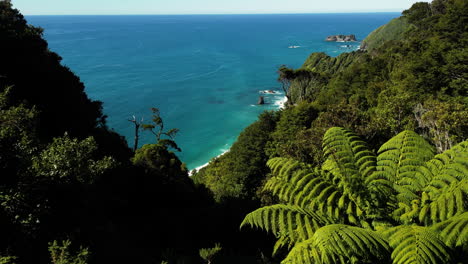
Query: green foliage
x,y
396,162
7,260
454,232
415,63
61,253
321,63
158,159
290,139
417,244
394,111
418,13
285,76
208,254
356,207
17,141
444,120
306,85
240,172
393,30
343,211
157,129
71,160
340,244
83,184
40,80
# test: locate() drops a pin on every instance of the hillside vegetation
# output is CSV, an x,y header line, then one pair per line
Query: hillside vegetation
x,y
404,205
393,30
415,79
367,163
71,191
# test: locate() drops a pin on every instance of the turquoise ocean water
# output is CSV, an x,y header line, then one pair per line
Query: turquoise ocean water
x,y
204,72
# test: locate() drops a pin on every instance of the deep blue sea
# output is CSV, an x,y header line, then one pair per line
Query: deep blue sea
x,y
204,72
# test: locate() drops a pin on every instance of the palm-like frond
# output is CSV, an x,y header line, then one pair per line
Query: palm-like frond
x,y
350,154
339,244
446,168
416,244
286,220
397,162
289,176
454,232
451,201
446,192
315,190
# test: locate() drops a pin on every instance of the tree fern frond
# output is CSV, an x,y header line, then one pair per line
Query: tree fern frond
x,y
451,201
282,242
287,174
340,244
454,231
349,151
449,166
282,220
416,244
405,183
399,159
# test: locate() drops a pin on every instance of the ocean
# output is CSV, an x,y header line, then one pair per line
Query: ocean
x,y
204,72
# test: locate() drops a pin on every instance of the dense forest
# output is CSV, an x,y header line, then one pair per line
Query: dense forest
x,y
367,163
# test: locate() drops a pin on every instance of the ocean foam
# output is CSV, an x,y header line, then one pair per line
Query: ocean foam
x,y
273,92
197,169
281,102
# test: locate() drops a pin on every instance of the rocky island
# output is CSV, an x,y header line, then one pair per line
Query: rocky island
x,y
341,38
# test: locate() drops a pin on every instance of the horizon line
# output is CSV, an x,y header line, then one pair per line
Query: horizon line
x,y
214,14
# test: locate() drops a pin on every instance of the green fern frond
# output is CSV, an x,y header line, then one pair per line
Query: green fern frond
x,y
397,162
449,166
454,231
405,184
416,244
282,220
283,167
287,173
349,152
282,242
449,202
340,244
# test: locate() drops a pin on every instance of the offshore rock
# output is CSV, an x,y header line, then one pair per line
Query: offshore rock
x,y
261,100
341,38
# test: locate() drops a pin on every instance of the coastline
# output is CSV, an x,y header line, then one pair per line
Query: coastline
x,y
279,103
197,169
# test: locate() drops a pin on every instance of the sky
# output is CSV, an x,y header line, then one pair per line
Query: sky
x,y
113,7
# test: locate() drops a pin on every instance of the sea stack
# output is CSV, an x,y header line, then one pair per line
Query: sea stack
x,y
261,100
341,38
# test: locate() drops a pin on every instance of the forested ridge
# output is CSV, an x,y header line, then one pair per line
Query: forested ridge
x,y
72,191
366,163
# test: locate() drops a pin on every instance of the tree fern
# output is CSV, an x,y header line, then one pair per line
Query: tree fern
x,y
454,232
339,244
315,190
397,161
452,201
446,191
418,245
350,153
329,214
286,220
